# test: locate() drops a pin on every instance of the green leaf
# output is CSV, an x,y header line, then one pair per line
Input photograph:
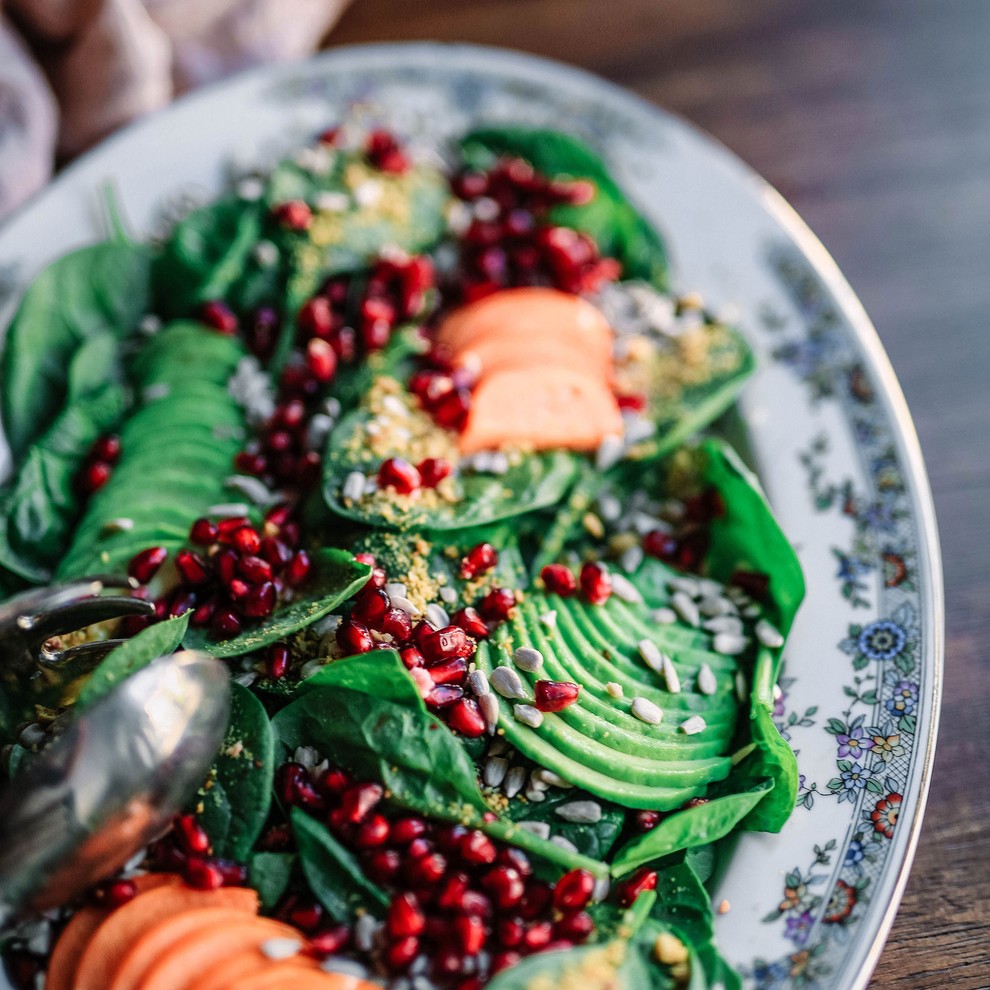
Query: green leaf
x,y
335,577
136,653
238,796
333,873
698,826
269,873
94,290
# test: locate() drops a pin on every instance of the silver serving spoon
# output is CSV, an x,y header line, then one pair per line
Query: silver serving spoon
x,y
111,782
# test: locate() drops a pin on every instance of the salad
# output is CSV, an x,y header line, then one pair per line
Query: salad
x,y
420,443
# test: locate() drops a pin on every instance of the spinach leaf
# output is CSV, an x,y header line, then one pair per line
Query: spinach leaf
x,y
94,290
269,873
615,224
690,827
141,649
335,577
379,729
533,482
333,873
234,804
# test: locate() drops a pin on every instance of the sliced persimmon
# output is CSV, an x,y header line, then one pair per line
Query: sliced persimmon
x,y
76,935
186,958
160,937
239,966
492,354
540,409
113,938
528,313
284,976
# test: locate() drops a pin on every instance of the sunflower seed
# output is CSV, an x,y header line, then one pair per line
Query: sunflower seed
x,y
718,605
353,487
280,948
559,840
478,683
308,756
552,779
499,747
688,585
229,509
724,624
769,635
119,525
395,589
526,658
246,679
252,488
729,644
693,725
540,829
365,929
670,676
646,711
663,616
609,507
436,615
404,605
625,590
742,689
706,680
488,704
537,783
507,682
585,812
549,619
651,655
528,715
514,781
534,796
685,607
601,888
327,624
495,770
631,559
609,452
448,594
318,430
614,689
345,966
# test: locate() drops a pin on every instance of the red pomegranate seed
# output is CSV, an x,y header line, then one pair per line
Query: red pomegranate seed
x,y
576,927
396,624
190,834
307,915
385,154
469,930
277,661
294,214
447,962
498,604
477,849
225,564
257,570
316,318
226,624
471,622
144,565
238,589
411,657
433,470
469,185
478,560
510,931
629,889
404,830
354,637
505,886
422,846
335,781
191,567
555,696
426,870
517,859
452,671
447,643
202,874
451,896
321,359
180,602
275,552
404,917
400,953
298,569
559,580
382,865
538,935
203,614
399,474
373,831
203,532
452,410
359,800
94,476
645,821
106,448
220,317
504,960
247,539
536,903
118,892
596,583
663,546
464,717
573,890
754,583
330,941
371,606
443,695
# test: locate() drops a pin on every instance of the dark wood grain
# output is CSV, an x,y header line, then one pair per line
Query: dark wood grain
x,y
873,118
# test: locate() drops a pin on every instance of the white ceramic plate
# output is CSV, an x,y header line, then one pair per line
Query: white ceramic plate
x,y
830,435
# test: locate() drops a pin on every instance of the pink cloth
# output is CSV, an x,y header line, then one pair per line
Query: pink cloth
x,y
71,71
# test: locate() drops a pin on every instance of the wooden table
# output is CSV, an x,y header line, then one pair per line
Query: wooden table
x,y
873,118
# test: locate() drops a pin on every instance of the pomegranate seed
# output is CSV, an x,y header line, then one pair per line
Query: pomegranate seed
x,y
754,583
510,931
316,318
180,602
202,874
330,941
444,695
294,214
464,717
661,545
117,893
274,552
307,915
385,154
335,781
399,954
447,643
498,604
405,916
645,821
576,927
295,788
298,569
426,870
538,935
559,580
191,567
451,896
504,960
203,615
220,317
477,849
94,477
629,889
247,539
433,470
452,671
373,831
478,560
537,900
383,865
277,661
398,474
469,931
106,448
321,359
419,847
573,890
452,410
448,837
191,835
447,962
471,622
144,565
555,696
396,624
469,185
505,886
354,637
359,800
255,569
596,583
329,137
203,532
411,657
371,606
238,589
517,859
404,830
